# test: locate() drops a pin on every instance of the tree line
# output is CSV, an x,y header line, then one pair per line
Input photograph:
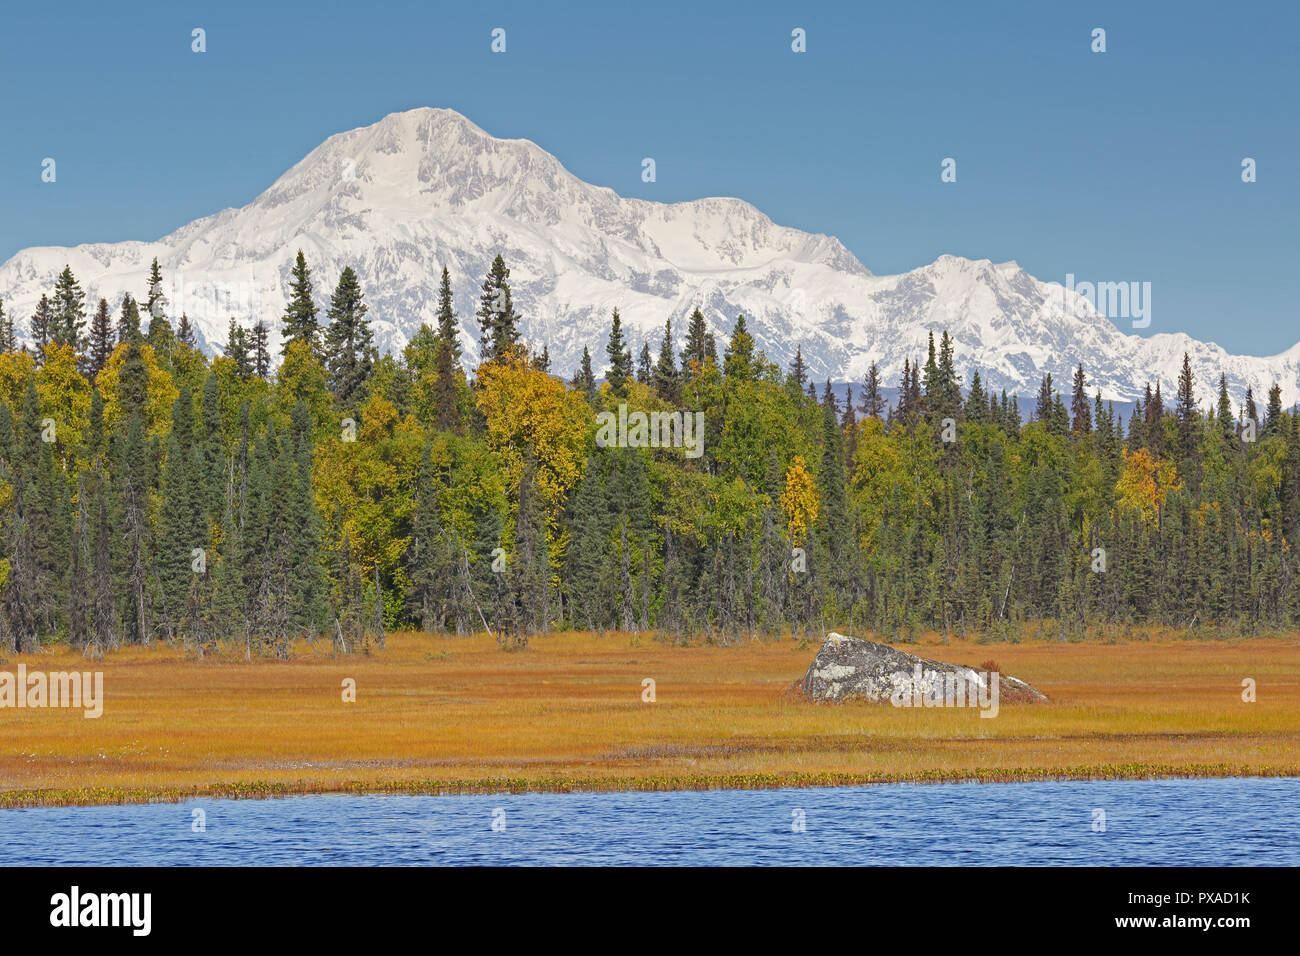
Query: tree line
x,y
148,493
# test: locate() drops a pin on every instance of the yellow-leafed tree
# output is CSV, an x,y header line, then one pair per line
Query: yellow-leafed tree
x,y
532,413
799,501
1145,482
65,396
160,391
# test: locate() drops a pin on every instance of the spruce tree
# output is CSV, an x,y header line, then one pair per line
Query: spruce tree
x,y
210,440
1223,412
1137,423
738,360
1187,412
128,321
257,349
235,572
1273,411
798,374
873,400
829,400
95,437
100,345
299,323
932,383
498,323
697,343
849,426
448,326
1082,423
237,349
905,406
182,521
185,332
949,388
620,359
133,379
155,303
69,322
1012,420
447,380
135,559
162,340
447,373
1060,421
349,344
1043,408
977,409
39,550
664,377
586,377
42,328
1155,421
265,557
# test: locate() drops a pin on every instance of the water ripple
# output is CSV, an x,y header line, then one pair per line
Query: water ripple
x,y
1146,822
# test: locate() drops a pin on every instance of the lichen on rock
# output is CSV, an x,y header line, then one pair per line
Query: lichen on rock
x,y
848,667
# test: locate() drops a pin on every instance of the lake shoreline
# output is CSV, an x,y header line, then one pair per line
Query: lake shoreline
x,y
106,796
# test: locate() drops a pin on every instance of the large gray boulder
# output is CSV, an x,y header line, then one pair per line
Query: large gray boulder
x,y
848,667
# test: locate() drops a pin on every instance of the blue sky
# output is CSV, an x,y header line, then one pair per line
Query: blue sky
x,y
1124,165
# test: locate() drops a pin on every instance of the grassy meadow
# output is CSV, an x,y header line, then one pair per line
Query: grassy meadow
x,y
439,714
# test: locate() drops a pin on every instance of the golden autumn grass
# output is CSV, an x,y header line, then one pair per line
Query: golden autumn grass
x,y
440,715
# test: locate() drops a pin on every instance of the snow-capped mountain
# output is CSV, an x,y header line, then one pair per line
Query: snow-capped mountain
x,y
424,189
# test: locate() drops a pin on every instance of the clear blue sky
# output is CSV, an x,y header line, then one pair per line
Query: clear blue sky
x,y
1116,166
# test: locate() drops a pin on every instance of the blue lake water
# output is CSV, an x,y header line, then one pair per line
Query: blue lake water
x,y
1248,822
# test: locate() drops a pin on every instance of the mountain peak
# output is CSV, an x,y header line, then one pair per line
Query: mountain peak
x,y
426,188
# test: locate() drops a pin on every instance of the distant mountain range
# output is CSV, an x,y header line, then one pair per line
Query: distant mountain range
x,y
426,188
